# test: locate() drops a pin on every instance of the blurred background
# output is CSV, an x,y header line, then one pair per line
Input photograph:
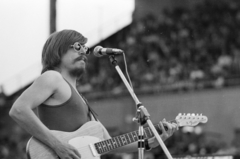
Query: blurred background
x,y
183,56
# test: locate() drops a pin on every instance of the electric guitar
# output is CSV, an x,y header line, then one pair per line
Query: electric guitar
x,y
89,138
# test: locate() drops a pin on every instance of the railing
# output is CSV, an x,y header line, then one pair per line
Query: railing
x,y
187,85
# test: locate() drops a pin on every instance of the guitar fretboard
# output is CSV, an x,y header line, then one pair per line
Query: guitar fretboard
x,y
122,140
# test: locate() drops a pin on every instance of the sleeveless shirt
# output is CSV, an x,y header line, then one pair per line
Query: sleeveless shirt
x,y
68,116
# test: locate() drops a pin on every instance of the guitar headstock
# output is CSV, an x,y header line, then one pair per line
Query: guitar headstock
x,y
190,119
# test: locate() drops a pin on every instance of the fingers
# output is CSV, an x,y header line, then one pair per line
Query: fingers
x,y
164,132
76,154
171,127
68,151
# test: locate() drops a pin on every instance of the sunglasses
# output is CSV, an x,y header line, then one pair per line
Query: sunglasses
x,y
80,48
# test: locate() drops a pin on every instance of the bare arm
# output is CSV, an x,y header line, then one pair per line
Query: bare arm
x,y
22,110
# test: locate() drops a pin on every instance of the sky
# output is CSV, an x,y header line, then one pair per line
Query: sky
x,y
25,28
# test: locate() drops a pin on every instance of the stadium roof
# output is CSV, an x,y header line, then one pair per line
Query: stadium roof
x,y
25,28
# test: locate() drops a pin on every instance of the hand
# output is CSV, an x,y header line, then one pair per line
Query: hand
x,y
171,128
67,151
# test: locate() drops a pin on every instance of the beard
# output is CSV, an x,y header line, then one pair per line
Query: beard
x,y
77,72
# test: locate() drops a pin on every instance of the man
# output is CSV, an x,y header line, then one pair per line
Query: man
x,y
54,94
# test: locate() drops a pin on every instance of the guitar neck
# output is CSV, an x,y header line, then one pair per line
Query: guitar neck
x,y
125,139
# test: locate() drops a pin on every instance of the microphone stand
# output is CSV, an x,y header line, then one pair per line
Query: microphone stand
x,y
142,116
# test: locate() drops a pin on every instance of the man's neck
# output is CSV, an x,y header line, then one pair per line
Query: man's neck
x,y
72,80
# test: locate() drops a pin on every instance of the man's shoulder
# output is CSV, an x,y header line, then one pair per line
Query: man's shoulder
x,y
50,77
52,74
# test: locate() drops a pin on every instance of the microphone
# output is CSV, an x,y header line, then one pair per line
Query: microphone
x,y
100,51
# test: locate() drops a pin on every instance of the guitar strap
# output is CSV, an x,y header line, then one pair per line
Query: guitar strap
x,y
89,108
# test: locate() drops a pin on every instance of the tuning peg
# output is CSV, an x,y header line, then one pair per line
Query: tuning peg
x,y
180,114
201,114
188,114
193,114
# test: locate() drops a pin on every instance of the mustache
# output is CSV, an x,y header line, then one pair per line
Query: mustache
x,y
81,57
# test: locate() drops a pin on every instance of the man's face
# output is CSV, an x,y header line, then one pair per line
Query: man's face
x,y
75,60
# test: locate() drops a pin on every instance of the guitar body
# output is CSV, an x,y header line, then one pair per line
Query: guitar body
x,y
88,139
81,139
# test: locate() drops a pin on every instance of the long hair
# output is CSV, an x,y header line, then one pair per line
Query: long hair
x,y
57,45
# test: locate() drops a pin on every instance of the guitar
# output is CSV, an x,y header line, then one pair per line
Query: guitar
x,y
88,139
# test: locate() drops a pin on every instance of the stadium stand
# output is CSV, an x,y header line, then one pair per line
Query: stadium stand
x,y
187,49
194,48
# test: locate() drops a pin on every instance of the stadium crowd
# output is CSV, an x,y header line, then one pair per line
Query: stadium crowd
x,y
185,48
180,49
